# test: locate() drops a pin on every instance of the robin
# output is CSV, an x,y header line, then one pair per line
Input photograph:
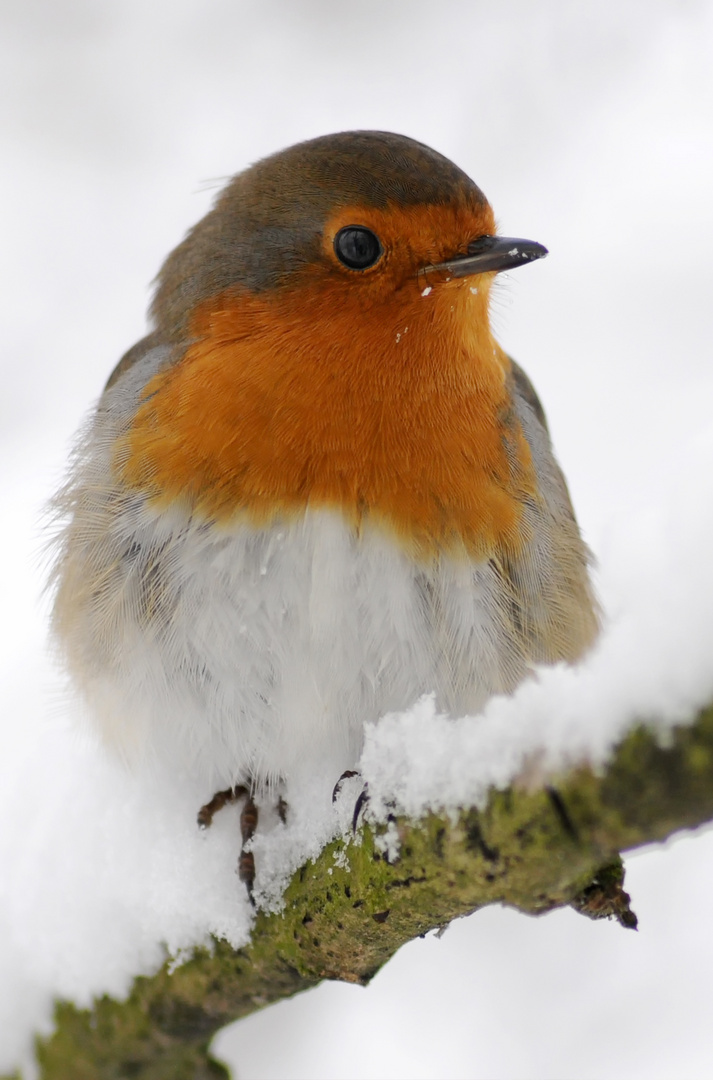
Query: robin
x,y
319,488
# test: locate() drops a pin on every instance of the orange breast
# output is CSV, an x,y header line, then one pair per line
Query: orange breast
x,y
395,412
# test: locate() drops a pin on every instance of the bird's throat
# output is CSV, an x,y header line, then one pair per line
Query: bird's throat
x,y
401,419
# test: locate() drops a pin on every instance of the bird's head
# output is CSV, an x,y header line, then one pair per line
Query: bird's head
x,y
362,219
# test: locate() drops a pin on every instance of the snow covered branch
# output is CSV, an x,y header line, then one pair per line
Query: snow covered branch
x,y
346,913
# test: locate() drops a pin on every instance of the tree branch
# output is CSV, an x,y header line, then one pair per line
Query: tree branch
x,y
349,911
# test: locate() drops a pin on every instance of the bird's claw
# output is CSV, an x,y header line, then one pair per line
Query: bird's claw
x,y
359,805
219,800
338,786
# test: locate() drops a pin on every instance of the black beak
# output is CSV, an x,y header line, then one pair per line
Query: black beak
x,y
491,253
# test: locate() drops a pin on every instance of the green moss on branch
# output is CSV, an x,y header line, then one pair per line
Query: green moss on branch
x,y
349,911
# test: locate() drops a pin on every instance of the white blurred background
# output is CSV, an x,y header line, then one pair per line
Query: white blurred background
x,y
589,127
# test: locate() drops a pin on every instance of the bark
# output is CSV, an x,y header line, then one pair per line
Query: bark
x,y
344,917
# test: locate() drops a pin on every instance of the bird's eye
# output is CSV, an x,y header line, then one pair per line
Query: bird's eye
x,y
357,247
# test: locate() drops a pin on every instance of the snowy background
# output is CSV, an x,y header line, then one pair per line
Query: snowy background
x,y
589,126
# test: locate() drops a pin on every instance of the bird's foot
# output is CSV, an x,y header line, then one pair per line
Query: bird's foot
x,y
248,825
362,798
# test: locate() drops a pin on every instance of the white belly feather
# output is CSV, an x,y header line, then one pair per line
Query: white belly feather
x,y
249,652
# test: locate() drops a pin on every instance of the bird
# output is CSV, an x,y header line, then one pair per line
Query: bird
x,y
318,489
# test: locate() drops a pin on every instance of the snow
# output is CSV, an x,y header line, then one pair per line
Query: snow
x,y
594,138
